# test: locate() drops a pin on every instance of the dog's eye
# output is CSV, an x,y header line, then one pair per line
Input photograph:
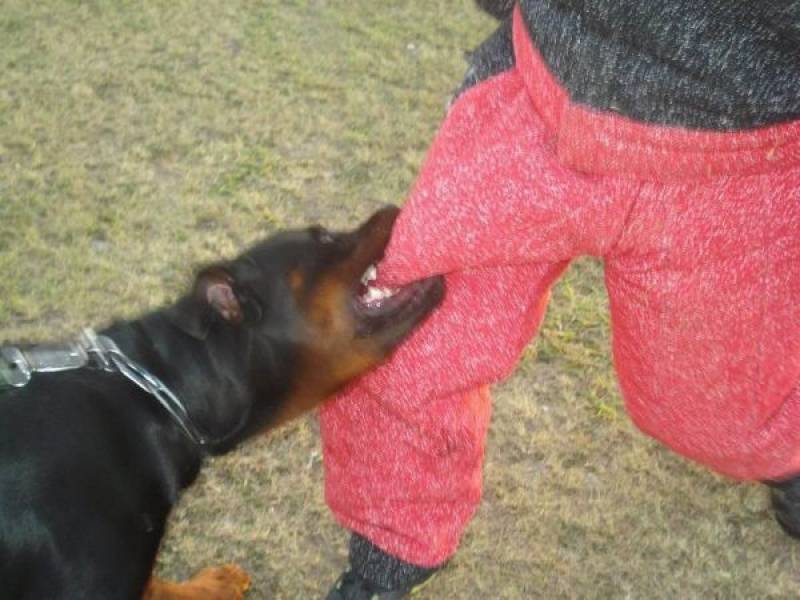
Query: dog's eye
x,y
322,235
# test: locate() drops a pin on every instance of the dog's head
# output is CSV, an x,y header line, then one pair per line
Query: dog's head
x,y
305,294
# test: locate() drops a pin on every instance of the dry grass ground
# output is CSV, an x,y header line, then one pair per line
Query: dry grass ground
x,y
139,138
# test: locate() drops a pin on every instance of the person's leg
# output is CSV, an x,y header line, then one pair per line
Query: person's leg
x,y
496,212
703,287
404,447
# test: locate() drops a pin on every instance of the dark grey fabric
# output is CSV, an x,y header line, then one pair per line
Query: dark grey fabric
x,y
384,570
493,56
710,64
499,9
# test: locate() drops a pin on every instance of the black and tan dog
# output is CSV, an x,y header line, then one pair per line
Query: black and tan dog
x,y
90,464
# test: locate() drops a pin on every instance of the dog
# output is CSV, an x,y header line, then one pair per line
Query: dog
x,y
92,460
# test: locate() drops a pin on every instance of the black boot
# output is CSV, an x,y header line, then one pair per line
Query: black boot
x,y
376,575
785,497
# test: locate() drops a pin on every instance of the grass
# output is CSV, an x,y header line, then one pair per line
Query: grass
x,y
139,139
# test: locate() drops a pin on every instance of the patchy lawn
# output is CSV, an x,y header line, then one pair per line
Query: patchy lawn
x,y
140,138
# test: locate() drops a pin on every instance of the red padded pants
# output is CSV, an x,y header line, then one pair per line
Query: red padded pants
x,y
700,237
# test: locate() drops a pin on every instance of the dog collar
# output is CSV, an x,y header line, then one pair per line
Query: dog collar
x,y
90,350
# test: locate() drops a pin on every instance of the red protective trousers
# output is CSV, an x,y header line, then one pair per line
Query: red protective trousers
x,y
700,236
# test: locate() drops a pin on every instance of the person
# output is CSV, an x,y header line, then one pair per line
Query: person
x,y
662,137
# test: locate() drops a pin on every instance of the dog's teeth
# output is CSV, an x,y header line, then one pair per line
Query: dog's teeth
x,y
375,294
372,295
371,274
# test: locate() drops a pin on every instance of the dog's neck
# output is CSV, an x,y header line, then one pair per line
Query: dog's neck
x,y
230,382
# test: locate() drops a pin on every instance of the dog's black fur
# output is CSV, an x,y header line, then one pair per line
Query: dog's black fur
x,y
90,465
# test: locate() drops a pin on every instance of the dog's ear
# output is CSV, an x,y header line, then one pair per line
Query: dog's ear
x,y
215,287
213,294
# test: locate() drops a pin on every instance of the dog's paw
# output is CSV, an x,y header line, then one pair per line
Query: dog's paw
x,y
228,582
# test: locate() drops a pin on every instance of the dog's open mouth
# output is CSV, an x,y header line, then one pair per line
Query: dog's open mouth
x,y
390,312
378,307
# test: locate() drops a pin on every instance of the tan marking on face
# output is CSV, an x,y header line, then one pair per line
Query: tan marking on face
x,y
296,282
333,356
317,383
327,313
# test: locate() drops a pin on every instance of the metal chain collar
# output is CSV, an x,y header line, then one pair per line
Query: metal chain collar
x,y
17,367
